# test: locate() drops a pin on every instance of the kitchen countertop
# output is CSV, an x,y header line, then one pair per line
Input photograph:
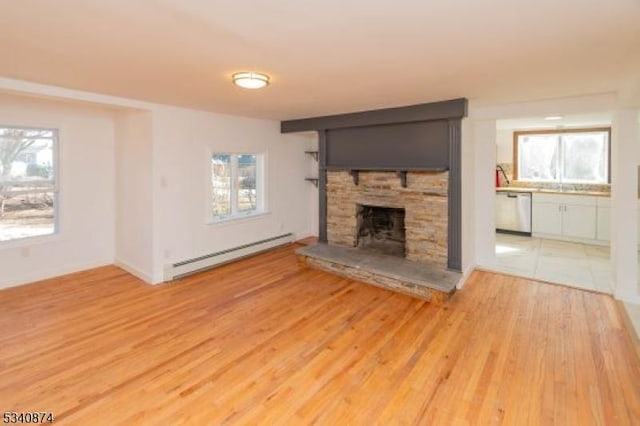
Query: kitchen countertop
x,y
551,191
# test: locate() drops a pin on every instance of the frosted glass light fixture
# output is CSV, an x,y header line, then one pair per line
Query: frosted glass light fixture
x,y
250,79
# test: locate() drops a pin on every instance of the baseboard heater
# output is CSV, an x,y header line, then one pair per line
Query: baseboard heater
x,y
208,261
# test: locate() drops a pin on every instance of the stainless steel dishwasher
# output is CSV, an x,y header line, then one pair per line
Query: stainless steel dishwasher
x,y
513,212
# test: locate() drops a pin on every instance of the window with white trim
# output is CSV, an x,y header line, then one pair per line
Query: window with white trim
x,y
237,183
28,184
563,156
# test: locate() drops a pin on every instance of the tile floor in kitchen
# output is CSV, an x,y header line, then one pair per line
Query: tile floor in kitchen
x,y
577,265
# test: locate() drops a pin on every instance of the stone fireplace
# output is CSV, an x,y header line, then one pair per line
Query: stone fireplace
x,y
423,203
390,196
380,229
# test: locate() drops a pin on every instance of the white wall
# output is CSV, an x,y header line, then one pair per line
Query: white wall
x,y
468,180
135,178
483,133
311,141
183,142
625,150
504,145
134,204
87,191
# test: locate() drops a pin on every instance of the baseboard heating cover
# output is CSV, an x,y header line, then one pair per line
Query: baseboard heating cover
x,y
208,261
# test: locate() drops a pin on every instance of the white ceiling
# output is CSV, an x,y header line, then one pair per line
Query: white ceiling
x,y
325,57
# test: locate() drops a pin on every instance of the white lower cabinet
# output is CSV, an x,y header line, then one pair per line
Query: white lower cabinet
x,y
546,218
570,216
579,221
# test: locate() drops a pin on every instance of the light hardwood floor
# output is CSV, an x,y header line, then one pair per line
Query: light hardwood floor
x,y
263,342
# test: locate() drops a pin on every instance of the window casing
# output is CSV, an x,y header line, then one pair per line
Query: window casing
x,y
28,182
237,185
579,156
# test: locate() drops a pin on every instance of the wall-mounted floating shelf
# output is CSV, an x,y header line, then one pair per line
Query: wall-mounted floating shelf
x,y
313,154
313,180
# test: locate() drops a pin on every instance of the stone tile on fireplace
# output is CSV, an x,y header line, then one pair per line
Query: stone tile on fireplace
x,y
424,200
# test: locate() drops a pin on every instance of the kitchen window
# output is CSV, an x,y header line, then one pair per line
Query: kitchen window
x,y
28,184
563,156
237,183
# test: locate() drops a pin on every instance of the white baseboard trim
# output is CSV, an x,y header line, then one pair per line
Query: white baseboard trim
x,y
302,236
465,276
627,298
631,322
134,270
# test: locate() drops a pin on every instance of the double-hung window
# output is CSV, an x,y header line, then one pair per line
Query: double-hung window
x,y
28,184
237,183
563,156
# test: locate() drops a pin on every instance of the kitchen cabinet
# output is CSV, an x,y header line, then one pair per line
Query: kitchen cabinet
x,y
570,216
579,221
546,218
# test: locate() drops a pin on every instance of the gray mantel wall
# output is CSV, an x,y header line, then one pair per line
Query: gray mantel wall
x,y
423,137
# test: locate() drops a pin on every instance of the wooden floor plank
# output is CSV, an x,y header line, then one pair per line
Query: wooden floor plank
x,y
264,341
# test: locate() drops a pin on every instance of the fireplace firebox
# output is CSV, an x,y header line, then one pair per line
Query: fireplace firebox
x,y
381,229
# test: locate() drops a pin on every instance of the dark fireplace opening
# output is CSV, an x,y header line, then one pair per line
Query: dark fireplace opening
x,y
381,229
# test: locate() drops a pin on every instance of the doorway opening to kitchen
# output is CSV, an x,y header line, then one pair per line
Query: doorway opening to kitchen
x,y
552,199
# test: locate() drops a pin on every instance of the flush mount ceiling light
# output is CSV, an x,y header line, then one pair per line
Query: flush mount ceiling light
x,y
554,117
250,80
